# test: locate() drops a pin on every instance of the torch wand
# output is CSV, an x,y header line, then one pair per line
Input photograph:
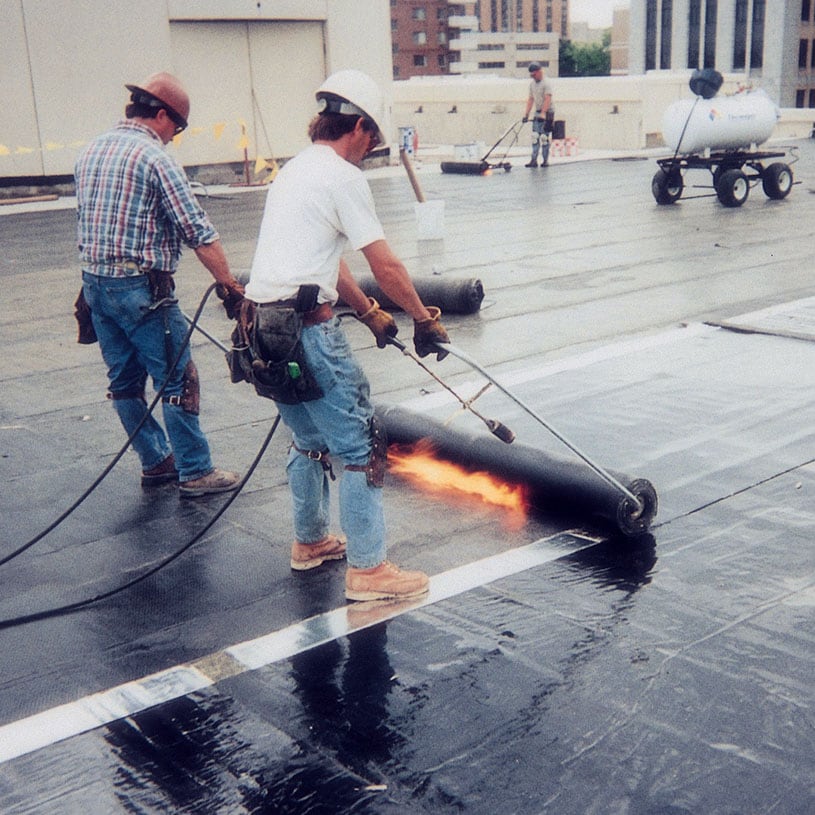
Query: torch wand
x,y
498,429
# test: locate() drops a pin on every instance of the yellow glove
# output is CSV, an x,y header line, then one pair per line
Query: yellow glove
x,y
426,333
380,322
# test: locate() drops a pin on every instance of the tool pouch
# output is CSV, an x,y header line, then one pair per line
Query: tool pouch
x,y
162,284
82,312
239,357
270,355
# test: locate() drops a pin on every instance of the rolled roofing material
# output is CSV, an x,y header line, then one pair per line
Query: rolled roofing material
x,y
461,296
556,485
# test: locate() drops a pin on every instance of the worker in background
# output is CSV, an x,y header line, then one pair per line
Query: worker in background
x,y
539,101
319,204
135,209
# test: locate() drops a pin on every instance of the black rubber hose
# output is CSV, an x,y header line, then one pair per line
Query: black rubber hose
x,y
558,486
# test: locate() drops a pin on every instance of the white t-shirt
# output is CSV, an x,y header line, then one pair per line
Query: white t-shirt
x,y
317,206
539,91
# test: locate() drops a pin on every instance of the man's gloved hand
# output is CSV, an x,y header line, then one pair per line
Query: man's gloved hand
x,y
232,296
426,333
525,119
380,322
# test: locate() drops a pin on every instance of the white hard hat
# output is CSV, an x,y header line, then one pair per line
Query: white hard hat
x,y
353,92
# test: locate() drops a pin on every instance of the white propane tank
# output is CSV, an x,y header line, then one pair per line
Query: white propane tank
x,y
722,123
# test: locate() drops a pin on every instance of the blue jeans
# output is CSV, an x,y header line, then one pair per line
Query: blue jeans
x,y
132,343
540,139
340,423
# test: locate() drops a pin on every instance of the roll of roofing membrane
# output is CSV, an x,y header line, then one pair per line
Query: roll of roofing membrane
x,y
461,296
558,486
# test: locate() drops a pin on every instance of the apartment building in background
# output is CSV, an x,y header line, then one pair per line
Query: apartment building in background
x,y
771,43
498,37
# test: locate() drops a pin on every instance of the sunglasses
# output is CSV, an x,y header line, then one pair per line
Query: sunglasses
x,y
151,101
179,121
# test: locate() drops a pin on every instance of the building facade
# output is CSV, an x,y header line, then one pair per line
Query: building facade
x,y
251,70
420,37
435,37
772,44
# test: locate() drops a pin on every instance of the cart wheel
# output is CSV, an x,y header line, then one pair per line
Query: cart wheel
x,y
507,166
667,187
732,188
777,180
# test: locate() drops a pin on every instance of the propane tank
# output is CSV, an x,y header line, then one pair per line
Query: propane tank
x,y
720,123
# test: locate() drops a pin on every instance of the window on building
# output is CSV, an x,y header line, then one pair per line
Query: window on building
x,y
665,34
757,37
711,13
491,64
441,14
805,10
694,31
394,25
740,35
442,37
812,55
420,60
490,46
442,60
420,38
800,98
650,35
419,13
803,47
811,98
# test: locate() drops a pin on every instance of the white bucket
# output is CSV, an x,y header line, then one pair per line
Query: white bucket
x,y
429,220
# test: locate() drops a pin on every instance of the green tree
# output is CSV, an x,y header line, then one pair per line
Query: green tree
x,y
578,59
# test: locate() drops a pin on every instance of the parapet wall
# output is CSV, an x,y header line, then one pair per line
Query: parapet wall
x,y
602,113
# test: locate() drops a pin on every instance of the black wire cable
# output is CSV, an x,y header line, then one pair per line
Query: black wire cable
x,y
101,477
70,607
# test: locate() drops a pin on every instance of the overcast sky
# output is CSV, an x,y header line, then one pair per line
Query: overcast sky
x,y
597,13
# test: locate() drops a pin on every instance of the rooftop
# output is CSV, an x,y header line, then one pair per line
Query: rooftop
x,y
554,667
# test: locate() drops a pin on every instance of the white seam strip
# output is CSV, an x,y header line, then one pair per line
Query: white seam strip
x,y
74,718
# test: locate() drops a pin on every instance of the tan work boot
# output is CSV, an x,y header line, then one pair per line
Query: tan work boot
x,y
216,481
384,582
306,556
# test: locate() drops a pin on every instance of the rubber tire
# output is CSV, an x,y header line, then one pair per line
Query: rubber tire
x,y
667,187
732,188
777,180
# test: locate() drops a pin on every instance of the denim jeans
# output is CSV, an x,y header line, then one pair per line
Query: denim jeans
x,y
540,139
132,341
340,423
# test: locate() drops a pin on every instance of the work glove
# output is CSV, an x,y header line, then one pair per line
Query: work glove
x,y
426,333
525,119
381,323
231,294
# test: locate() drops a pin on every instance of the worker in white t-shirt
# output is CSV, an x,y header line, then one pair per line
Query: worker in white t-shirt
x,y
319,205
539,101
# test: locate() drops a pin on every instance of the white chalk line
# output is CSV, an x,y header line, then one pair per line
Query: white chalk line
x,y
63,722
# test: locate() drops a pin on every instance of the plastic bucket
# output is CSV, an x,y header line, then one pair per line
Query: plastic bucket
x,y
429,220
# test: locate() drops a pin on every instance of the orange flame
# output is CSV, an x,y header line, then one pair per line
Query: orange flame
x,y
419,465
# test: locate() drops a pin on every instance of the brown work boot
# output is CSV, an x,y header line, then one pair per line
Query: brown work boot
x,y
306,556
216,481
384,582
161,473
